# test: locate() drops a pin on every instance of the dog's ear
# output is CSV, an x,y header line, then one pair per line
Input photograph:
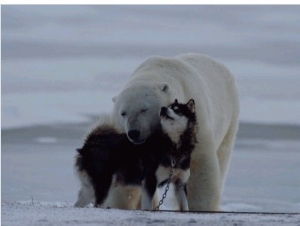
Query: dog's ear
x,y
191,105
79,150
176,101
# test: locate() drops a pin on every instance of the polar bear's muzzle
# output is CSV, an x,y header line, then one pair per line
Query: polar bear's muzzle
x,y
135,137
134,134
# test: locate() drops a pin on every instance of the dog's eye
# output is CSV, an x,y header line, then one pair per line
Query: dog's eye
x,y
176,109
123,113
144,110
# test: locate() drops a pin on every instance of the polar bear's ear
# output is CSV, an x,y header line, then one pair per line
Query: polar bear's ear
x,y
114,99
164,87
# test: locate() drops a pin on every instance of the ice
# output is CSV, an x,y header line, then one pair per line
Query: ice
x,y
41,96
46,140
31,108
53,66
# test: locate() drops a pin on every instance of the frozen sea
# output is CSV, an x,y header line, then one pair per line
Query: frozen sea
x,y
61,66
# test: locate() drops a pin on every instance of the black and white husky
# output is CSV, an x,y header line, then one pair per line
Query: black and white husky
x,y
107,157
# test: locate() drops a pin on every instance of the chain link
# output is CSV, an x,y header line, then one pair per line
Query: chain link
x,y
173,163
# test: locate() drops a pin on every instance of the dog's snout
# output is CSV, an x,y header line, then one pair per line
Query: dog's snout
x,y
134,134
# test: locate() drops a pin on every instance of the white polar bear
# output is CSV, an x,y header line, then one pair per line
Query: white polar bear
x,y
157,82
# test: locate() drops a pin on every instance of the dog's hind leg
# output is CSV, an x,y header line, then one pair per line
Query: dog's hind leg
x,y
148,191
86,193
85,196
101,188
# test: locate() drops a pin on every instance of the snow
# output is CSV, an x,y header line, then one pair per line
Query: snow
x,y
38,214
46,140
28,109
61,66
41,98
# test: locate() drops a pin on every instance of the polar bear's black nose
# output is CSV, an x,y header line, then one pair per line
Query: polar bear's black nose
x,y
134,134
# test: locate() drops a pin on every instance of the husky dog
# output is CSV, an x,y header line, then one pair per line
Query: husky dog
x,y
179,127
107,157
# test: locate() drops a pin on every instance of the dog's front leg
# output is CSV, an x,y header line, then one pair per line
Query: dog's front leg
x,y
181,195
85,195
181,191
148,189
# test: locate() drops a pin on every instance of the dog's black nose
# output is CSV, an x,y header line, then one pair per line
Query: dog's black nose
x,y
163,111
134,134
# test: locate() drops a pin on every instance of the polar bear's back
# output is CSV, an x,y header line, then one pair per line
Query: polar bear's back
x,y
217,86
191,65
205,64
212,74
192,75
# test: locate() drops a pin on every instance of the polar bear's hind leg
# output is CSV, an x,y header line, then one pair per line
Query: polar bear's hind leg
x,y
225,150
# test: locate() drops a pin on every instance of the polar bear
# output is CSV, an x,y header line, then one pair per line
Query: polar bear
x,y
156,83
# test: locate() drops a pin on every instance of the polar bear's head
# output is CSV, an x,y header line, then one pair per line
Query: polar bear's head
x,y
136,110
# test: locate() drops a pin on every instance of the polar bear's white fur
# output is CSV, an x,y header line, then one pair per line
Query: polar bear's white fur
x,y
157,82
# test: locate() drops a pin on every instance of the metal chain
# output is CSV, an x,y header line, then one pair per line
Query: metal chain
x,y
173,163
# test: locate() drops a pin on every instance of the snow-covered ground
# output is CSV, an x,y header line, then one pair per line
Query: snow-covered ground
x,y
61,65
40,214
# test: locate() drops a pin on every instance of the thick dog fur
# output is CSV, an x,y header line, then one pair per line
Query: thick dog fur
x,y
107,157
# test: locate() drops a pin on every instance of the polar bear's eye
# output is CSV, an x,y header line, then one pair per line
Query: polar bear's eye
x,y
123,113
144,110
